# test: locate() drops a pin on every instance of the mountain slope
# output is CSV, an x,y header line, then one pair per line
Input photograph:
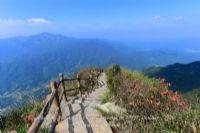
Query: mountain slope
x,y
150,103
183,77
27,64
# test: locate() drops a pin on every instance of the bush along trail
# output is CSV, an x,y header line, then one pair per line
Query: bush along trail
x,y
148,103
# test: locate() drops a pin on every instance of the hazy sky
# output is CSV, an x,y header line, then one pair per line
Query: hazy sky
x,y
112,19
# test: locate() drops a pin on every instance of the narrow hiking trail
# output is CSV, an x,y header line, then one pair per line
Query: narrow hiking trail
x,y
80,115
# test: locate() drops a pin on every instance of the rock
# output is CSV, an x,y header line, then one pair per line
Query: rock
x,y
111,108
193,127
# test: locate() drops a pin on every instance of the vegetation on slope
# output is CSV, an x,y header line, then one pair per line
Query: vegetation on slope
x,y
194,98
21,118
150,105
183,77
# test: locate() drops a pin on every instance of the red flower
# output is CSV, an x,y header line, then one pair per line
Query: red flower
x,y
30,118
166,92
157,102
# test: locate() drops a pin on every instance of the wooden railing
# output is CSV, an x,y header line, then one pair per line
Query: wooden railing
x,y
57,97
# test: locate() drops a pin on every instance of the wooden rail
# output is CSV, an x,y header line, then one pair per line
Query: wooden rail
x,y
55,99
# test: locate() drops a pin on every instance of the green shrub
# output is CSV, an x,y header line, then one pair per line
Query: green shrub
x,y
194,98
16,119
111,73
106,97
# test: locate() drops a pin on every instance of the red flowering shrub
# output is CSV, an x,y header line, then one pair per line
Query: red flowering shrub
x,y
143,96
150,105
30,118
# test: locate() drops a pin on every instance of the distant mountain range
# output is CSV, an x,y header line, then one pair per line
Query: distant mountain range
x,y
183,77
27,64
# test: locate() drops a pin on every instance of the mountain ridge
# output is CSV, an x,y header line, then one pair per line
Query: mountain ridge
x,y
29,62
183,77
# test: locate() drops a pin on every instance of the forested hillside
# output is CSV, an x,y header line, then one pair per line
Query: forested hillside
x,y
183,77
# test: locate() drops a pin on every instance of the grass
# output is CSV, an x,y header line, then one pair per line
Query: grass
x,y
150,105
194,98
106,97
16,119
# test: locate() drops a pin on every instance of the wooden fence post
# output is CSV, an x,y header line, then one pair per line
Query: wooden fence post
x,y
56,102
61,77
98,75
54,121
79,84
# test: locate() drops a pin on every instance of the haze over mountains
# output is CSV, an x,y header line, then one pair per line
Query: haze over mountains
x,y
28,63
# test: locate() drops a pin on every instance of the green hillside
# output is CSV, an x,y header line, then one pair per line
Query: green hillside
x,y
150,105
183,77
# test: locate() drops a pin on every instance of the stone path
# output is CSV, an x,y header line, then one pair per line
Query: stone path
x,y
80,115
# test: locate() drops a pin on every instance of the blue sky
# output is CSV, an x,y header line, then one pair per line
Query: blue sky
x,y
111,19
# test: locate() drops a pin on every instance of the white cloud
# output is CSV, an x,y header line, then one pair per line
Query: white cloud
x,y
38,21
11,21
157,17
25,21
175,18
178,18
193,51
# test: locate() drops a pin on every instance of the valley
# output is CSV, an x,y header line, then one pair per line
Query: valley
x,y
28,63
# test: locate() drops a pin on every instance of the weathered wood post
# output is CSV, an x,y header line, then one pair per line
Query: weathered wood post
x,y
61,77
79,83
54,121
98,75
56,102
